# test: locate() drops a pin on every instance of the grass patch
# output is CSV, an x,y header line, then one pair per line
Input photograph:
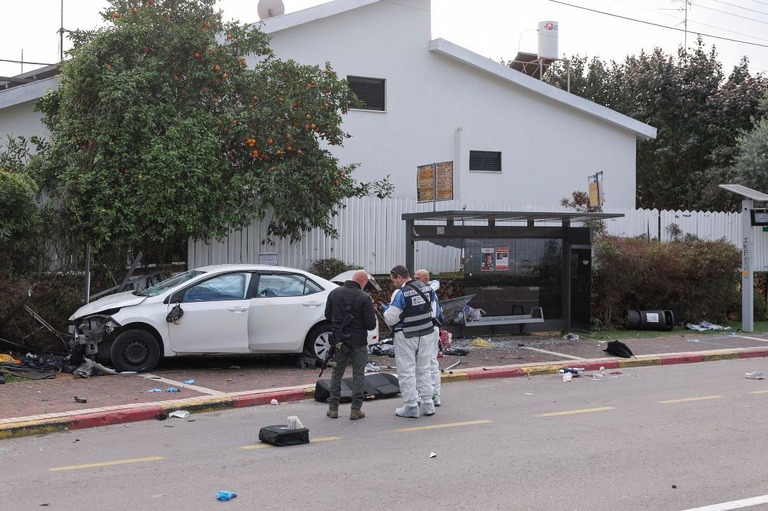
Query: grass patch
x,y
600,335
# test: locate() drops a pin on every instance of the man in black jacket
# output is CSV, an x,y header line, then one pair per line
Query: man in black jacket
x,y
350,299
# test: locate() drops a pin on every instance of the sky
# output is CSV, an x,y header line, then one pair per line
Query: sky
x,y
497,29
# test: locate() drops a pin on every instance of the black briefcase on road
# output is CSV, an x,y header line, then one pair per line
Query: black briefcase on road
x,y
280,435
378,385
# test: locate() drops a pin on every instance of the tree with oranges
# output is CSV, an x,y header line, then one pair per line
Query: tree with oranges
x,y
171,123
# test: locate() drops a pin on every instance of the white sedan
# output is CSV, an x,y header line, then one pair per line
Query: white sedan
x,y
228,309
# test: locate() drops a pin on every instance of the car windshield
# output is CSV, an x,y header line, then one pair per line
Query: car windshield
x,y
172,282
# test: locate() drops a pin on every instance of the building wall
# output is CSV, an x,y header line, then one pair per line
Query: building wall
x,y
439,109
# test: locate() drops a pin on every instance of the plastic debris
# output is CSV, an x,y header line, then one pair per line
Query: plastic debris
x,y
188,382
754,375
180,414
172,389
273,402
225,495
371,367
432,455
706,326
80,400
479,342
155,390
571,337
567,376
294,422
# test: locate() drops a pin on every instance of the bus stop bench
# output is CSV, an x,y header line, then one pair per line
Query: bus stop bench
x,y
536,316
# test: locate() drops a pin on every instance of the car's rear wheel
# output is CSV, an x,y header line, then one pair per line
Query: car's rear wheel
x,y
135,350
318,342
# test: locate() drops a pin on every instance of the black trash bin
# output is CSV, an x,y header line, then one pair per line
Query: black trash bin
x,y
650,319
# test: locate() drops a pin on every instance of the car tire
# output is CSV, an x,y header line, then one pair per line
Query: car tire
x,y
135,350
318,342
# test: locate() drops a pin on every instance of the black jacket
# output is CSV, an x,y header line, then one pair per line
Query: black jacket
x,y
361,308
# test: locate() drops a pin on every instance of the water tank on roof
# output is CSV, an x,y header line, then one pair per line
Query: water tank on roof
x,y
548,40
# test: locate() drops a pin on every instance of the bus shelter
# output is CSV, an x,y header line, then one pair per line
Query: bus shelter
x,y
515,261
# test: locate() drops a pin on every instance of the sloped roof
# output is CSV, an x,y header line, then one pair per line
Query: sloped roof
x,y
457,53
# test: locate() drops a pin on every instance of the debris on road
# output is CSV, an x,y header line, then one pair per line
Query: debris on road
x,y
754,375
224,495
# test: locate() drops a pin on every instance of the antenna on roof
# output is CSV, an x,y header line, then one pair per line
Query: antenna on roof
x,y
270,8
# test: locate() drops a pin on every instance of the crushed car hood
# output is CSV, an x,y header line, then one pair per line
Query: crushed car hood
x,y
115,301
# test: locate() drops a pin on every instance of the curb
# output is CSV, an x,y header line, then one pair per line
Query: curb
x,y
26,426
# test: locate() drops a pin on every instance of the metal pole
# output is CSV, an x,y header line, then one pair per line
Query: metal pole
x,y
747,276
88,273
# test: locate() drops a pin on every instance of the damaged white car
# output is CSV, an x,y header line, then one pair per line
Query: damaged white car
x,y
214,310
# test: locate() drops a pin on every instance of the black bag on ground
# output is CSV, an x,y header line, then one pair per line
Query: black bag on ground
x,y
280,435
379,385
619,349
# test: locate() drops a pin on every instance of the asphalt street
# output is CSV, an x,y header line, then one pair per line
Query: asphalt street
x,y
639,438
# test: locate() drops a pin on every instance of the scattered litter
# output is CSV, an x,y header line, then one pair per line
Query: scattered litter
x,y
181,414
234,367
567,376
571,337
694,340
273,402
457,352
575,371
432,455
225,495
172,389
528,394
372,367
294,422
80,400
188,382
8,358
155,390
161,416
706,326
479,342
460,361
754,375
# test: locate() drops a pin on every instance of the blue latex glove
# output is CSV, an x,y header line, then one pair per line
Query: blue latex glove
x,y
226,495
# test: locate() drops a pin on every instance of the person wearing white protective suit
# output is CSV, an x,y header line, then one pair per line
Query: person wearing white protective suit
x,y
437,315
410,317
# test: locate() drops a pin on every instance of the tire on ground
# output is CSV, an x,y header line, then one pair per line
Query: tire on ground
x,y
318,342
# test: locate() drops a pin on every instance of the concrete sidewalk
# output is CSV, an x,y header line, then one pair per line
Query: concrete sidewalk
x,y
45,406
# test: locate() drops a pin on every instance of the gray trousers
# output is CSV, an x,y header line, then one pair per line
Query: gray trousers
x,y
358,357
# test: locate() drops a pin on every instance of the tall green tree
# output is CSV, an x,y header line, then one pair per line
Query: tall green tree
x,y
698,114
171,123
750,167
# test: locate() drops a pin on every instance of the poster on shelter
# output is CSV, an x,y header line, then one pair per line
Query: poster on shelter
x,y
488,259
502,258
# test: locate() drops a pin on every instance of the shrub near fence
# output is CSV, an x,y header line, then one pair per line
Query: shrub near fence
x,y
697,280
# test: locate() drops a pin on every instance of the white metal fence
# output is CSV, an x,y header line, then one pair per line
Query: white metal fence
x,y
372,235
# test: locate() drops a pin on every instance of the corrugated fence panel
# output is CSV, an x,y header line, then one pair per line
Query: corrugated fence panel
x,y
372,235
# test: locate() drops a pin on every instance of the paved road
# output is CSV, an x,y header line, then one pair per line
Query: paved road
x,y
642,438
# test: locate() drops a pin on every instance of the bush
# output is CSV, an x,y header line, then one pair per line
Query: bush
x,y
697,280
329,268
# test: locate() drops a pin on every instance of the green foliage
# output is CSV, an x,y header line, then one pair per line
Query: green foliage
x,y
171,124
329,268
698,114
21,225
697,280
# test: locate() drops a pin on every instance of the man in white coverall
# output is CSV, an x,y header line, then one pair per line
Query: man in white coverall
x,y
410,317
437,313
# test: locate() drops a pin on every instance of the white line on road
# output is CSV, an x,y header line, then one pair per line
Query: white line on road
x,y
572,412
734,504
688,399
563,355
752,338
197,388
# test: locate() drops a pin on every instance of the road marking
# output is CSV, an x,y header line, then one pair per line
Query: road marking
x,y
572,412
688,399
752,338
734,504
439,426
197,388
107,463
312,441
563,355
759,392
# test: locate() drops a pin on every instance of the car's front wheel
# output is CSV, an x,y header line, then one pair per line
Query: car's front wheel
x,y
135,350
318,342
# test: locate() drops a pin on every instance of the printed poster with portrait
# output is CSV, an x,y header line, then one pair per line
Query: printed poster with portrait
x,y
487,259
502,258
